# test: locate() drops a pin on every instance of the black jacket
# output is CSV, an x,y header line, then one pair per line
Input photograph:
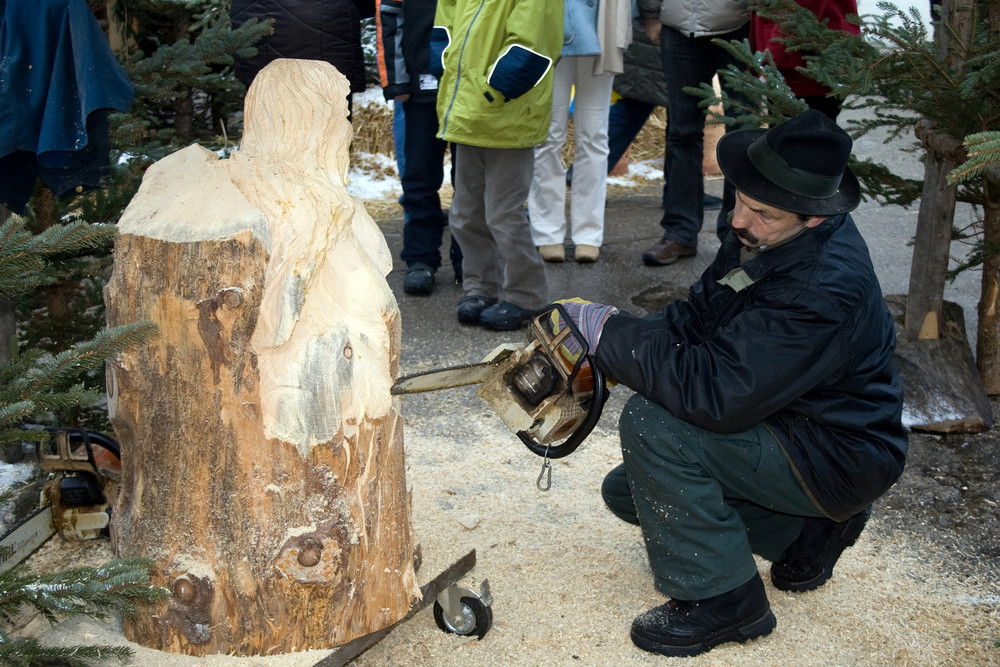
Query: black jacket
x,y
328,30
807,349
405,48
642,78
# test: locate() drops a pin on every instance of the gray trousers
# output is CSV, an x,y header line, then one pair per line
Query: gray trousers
x,y
488,219
706,502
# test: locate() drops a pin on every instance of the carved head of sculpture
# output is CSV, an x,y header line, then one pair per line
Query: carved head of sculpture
x,y
296,111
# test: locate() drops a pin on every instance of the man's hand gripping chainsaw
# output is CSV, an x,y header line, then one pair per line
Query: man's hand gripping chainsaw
x,y
548,391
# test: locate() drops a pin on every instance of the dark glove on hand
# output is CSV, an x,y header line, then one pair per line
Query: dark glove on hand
x,y
589,318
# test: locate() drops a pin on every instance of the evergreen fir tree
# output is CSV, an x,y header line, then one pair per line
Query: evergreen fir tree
x,y
179,55
117,587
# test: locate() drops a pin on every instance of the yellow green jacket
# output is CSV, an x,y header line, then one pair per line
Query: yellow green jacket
x,y
495,59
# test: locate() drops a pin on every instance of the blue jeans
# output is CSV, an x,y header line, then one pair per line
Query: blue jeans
x,y
398,137
689,62
625,119
423,173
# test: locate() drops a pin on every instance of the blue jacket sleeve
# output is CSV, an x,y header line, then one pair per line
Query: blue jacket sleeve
x,y
518,70
440,41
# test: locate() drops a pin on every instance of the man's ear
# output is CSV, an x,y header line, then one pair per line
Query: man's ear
x,y
814,221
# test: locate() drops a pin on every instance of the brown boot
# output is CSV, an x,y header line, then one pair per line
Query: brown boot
x,y
667,251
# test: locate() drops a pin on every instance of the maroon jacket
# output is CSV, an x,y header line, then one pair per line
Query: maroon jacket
x,y
762,32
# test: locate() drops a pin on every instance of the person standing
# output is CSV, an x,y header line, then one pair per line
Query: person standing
x,y
494,59
595,34
328,30
404,35
766,35
684,32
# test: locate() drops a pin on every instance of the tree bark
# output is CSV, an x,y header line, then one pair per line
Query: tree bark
x,y
988,332
262,451
930,250
8,313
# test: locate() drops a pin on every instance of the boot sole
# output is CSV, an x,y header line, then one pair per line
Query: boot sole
x,y
761,626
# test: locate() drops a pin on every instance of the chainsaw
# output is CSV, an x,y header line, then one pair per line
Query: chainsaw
x,y
84,468
548,391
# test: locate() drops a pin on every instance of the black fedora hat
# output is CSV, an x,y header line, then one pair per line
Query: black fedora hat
x,y
798,166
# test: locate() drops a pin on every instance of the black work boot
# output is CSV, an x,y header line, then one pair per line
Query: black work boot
x,y
684,628
419,279
808,562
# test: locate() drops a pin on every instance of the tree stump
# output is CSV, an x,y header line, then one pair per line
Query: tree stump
x,y
262,452
941,388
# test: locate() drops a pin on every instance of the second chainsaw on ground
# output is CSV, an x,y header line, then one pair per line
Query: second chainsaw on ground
x,y
84,469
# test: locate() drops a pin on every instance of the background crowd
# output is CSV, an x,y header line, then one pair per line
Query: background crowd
x,y
498,88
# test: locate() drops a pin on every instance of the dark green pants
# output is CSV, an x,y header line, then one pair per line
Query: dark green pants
x,y
706,502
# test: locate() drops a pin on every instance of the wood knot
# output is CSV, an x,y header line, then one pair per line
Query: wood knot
x,y
184,590
310,553
190,609
231,297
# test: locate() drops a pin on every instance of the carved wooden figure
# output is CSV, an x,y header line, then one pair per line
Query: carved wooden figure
x,y
262,452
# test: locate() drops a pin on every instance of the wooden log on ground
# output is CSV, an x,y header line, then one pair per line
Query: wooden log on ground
x,y
941,388
262,451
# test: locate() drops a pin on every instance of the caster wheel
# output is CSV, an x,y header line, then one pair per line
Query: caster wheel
x,y
475,618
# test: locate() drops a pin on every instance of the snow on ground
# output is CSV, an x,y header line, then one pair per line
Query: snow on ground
x,y
10,474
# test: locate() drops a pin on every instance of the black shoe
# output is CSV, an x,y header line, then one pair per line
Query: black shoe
x,y
683,628
504,316
419,280
470,307
808,562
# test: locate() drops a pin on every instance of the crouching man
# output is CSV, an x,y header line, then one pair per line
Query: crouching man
x,y
767,414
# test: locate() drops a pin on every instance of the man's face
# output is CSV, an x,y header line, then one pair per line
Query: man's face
x,y
758,224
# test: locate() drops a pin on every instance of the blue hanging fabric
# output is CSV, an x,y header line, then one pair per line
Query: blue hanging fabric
x,y
58,82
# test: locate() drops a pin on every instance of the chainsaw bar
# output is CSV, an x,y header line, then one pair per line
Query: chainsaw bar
x,y
455,376
22,540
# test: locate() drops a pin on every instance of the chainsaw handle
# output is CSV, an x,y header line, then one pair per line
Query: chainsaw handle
x,y
569,445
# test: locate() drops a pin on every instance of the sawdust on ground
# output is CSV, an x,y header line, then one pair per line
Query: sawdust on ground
x,y
567,578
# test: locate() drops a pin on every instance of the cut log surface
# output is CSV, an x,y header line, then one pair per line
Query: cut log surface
x,y
262,451
941,388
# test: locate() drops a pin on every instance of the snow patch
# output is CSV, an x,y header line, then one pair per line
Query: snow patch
x,y
10,474
937,413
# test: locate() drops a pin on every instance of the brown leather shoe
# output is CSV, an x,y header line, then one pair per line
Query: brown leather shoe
x,y
667,251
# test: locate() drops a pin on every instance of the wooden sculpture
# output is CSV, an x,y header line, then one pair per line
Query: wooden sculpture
x,y
262,452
